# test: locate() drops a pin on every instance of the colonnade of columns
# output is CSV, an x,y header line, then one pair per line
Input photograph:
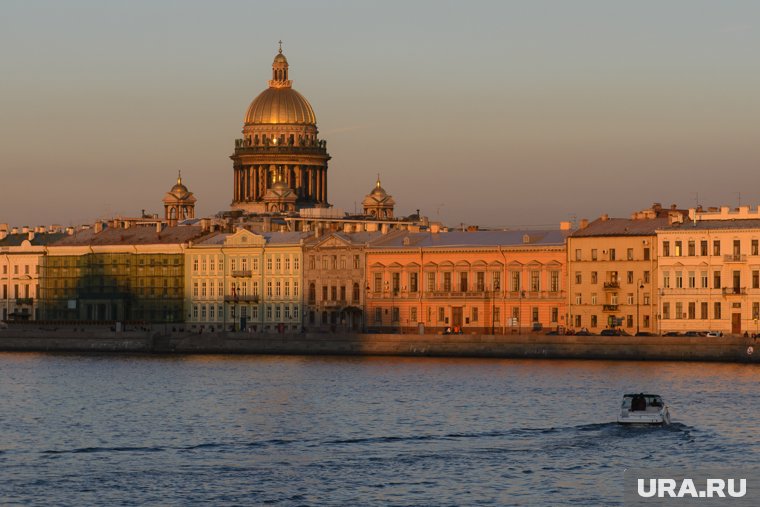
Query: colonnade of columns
x,y
252,182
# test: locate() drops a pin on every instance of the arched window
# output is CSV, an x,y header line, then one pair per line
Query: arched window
x,y
173,213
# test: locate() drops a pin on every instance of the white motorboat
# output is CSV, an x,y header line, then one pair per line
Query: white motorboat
x,y
643,409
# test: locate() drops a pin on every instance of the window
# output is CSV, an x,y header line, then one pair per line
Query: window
x,y
629,321
679,280
342,262
703,276
578,299
594,322
703,310
287,263
692,280
430,281
756,279
535,284
594,254
692,310
480,281
325,262
630,299
497,315
396,281
677,249
555,315
716,310
577,254
195,312
666,248
646,299
312,262
612,254
578,277
334,262
233,265
629,254
447,281
378,282
756,310
629,276
666,279
692,248
296,264
378,316
716,247
203,289
646,277
295,288
333,293
463,281
514,281
441,314
496,281
395,314
278,288
534,314
754,250
646,254
594,277
195,264
716,280
666,311
195,288
413,282
355,294
269,288
703,248
211,308
593,298
554,281
413,314
357,263
474,313
220,267
287,288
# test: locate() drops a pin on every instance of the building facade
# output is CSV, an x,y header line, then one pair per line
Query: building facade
x,y
334,281
280,163
710,272
21,254
612,272
245,281
491,282
111,274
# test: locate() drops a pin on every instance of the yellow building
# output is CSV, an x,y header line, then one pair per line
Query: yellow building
x,y
710,271
21,253
245,281
612,271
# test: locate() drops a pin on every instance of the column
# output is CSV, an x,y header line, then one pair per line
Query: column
x,y
235,185
324,193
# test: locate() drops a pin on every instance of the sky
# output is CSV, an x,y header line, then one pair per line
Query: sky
x,y
502,114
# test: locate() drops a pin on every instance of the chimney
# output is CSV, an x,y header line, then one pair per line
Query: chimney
x,y
583,224
565,226
98,227
14,230
159,227
31,235
604,217
25,229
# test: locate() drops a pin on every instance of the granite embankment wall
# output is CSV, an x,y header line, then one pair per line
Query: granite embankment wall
x,y
725,349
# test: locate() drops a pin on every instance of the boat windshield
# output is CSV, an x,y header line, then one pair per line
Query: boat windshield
x,y
637,402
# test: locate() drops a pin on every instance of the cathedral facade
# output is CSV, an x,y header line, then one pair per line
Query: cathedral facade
x,y
280,164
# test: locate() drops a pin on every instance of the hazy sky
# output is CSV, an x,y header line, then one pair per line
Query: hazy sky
x,y
496,113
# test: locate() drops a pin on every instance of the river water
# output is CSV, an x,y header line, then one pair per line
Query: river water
x,y
254,430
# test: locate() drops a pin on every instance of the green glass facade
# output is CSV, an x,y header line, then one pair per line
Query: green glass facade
x,y
140,287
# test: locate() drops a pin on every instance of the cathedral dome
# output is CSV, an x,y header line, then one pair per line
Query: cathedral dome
x,y
280,105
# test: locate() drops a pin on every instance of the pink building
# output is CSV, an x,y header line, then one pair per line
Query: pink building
x,y
477,281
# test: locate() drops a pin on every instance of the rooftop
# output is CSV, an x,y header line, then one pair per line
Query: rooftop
x,y
137,235
402,239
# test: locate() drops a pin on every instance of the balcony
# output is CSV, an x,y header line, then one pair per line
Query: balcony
x,y
734,258
238,273
610,308
734,291
24,301
241,299
612,285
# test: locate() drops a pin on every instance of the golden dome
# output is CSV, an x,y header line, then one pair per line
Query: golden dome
x,y
280,105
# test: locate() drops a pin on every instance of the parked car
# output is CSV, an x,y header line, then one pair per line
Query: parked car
x,y
694,333
714,334
610,332
644,333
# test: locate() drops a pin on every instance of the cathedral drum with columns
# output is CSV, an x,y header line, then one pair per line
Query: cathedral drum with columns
x,y
280,164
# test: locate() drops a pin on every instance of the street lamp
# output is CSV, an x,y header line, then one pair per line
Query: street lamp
x,y
638,288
